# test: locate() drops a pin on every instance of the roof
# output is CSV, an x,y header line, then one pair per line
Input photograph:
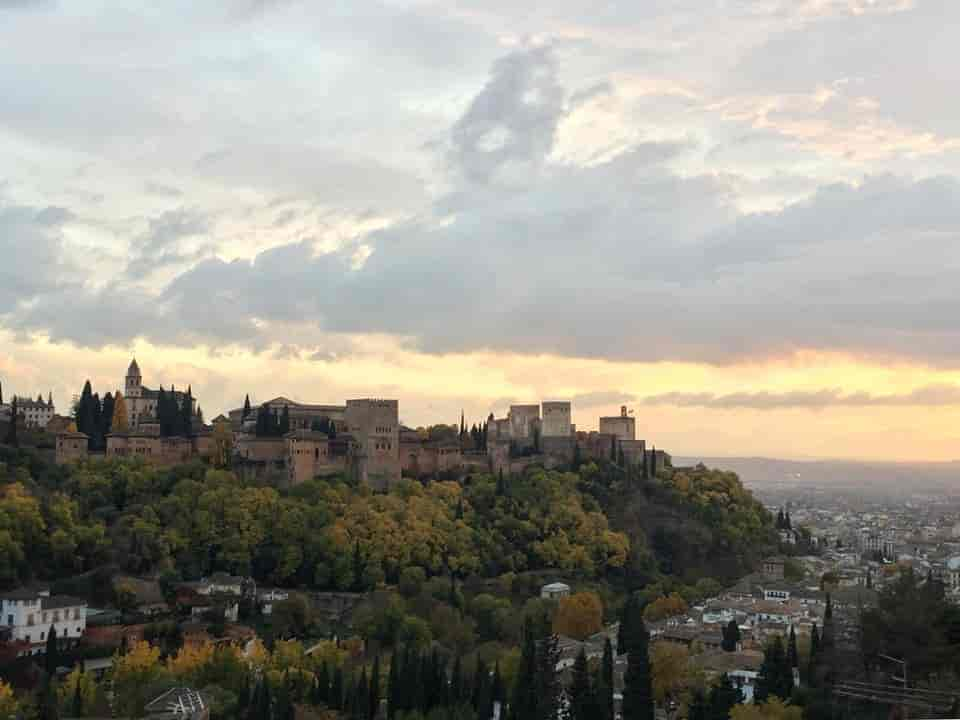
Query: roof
x,y
222,578
556,586
720,661
22,594
61,601
134,369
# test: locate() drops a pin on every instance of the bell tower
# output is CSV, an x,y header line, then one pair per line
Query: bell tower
x,y
132,384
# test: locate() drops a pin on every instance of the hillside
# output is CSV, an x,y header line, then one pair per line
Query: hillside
x,y
191,520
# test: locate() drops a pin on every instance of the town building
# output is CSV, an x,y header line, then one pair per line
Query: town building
x,y
623,426
374,425
141,401
28,616
555,591
308,456
71,446
36,413
303,416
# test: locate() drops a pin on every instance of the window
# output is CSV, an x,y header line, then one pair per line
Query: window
x,y
9,619
41,636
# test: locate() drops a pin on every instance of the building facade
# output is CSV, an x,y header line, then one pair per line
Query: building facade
x,y
141,401
72,446
556,419
374,425
622,425
36,413
28,616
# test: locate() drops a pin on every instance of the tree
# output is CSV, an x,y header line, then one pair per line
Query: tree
x,y
723,698
775,678
638,701
547,682
133,674
670,671
579,616
814,652
119,423
523,705
731,636
774,709
374,690
51,657
582,700
11,438
246,408
793,658
186,413
284,421
604,685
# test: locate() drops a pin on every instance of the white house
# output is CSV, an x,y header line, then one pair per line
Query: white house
x,y
555,591
28,615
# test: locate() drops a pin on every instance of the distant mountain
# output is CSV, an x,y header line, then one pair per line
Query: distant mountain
x,y
770,473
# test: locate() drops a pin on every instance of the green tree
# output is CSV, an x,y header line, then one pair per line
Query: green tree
x,y
582,699
52,656
638,703
604,685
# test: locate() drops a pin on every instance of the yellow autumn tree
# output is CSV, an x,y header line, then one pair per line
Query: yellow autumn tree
x,y
119,423
190,660
665,607
68,692
9,707
222,444
579,616
133,674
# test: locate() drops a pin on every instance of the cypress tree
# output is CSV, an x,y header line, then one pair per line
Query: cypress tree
x,y
106,415
501,485
246,408
547,683
814,652
457,689
582,701
263,706
723,698
497,690
186,414
638,703
336,690
393,689
613,449
284,421
605,686
49,708
374,691
321,688
699,707
51,656
361,697
11,438
523,705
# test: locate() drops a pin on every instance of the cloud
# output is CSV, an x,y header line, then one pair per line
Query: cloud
x,y
512,120
601,398
929,395
30,247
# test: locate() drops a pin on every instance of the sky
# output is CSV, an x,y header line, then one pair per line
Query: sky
x,y
740,218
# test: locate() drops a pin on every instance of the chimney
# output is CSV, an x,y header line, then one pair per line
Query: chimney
x,y
623,411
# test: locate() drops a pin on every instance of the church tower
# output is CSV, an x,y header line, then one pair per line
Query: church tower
x,y
132,386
